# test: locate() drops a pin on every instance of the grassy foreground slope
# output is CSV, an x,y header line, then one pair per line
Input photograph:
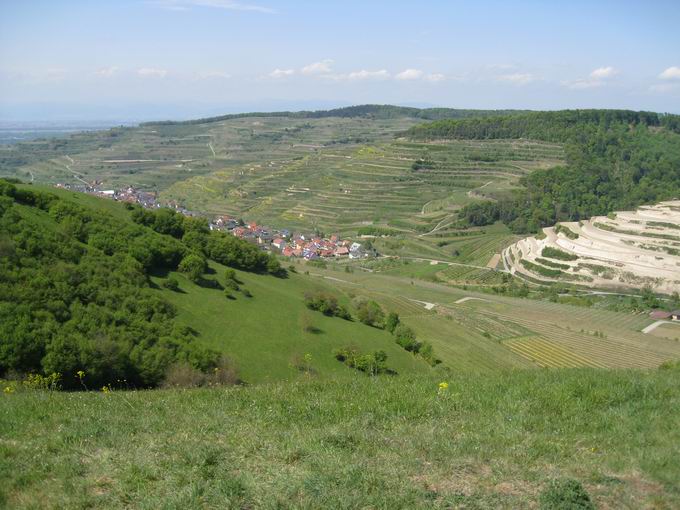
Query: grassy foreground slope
x,y
485,442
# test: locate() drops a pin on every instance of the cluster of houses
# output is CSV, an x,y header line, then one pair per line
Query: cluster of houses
x,y
131,195
664,315
289,244
285,242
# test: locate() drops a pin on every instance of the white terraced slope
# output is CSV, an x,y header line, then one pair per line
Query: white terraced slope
x,y
628,249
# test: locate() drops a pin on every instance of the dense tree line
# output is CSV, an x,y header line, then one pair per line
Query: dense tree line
x,y
615,159
75,291
374,111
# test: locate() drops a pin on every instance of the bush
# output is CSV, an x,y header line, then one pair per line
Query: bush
x,y
371,364
406,338
369,312
392,321
565,494
183,375
171,284
231,285
194,266
326,304
556,253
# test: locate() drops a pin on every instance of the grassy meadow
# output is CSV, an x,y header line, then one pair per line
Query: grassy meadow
x,y
493,441
268,334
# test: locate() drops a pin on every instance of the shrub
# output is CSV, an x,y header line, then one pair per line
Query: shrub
x,y
326,304
566,231
194,266
544,271
565,494
371,364
392,321
171,284
370,313
231,285
246,293
556,253
406,338
183,375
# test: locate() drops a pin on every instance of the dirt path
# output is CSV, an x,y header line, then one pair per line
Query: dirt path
x,y
493,263
427,305
652,327
73,172
439,226
212,150
470,298
333,279
420,259
473,192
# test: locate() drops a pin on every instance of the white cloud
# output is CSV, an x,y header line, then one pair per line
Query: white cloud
x,y
152,72
517,78
409,74
602,73
213,74
382,74
185,5
598,78
323,67
435,77
106,72
281,73
583,84
672,73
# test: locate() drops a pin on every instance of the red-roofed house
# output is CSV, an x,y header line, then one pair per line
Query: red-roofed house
x,y
659,315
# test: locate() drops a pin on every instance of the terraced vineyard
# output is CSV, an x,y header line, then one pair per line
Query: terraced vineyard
x,y
627,249
413,187
156,156
548,354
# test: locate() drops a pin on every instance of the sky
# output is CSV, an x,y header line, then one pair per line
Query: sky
x,y
151,59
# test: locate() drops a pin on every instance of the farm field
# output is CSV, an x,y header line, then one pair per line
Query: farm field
x,y
157,155
344,188
478,331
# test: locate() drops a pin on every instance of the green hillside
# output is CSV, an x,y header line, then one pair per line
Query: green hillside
x,y
494,441
615,160
86,287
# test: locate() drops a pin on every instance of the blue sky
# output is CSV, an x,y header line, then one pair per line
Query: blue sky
x,y
135,59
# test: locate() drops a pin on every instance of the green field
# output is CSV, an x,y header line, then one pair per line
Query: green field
x,y
492,441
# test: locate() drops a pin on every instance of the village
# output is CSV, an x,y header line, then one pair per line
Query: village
x,y
280,241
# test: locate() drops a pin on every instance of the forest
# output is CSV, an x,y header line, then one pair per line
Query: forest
x,y
75,288
375,111
616,159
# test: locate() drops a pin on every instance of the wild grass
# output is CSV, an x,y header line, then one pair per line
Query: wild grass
x,y
492,441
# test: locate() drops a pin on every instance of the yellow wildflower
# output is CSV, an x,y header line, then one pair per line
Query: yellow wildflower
x,y
106,389
443,386
8,390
